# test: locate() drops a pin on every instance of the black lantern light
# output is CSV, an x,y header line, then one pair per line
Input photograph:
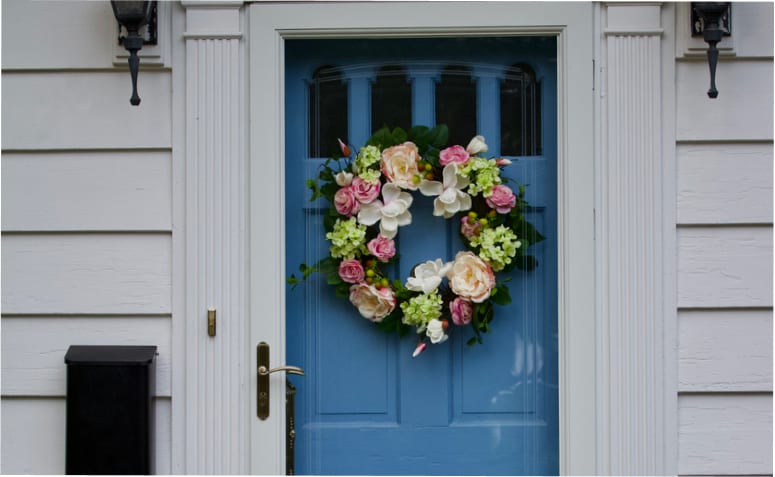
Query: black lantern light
x,y
133,15
712,21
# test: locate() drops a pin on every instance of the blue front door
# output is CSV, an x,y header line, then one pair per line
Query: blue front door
x,y
366,406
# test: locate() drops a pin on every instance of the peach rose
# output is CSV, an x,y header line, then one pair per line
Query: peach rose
x,y
399,164
372,303
471,277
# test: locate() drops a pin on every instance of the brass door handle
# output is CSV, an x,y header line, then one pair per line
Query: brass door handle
x,y
262,371
262,378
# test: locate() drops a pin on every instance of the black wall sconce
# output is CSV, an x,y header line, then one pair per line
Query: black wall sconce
x,y
133,15
712,20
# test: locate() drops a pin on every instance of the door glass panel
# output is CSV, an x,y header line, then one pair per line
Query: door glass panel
x,y
327,111
391,98
365,406
520,103
456,103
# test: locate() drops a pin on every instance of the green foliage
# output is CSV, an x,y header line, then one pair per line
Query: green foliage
x,y
500,295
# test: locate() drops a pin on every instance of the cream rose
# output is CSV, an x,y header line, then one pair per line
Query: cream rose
x,y
471,277
399,164
372,303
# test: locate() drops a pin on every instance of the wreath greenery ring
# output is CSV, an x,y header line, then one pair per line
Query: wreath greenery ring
x,y
370,197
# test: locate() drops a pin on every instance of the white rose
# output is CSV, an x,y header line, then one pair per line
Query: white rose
x,y
435,331
471,277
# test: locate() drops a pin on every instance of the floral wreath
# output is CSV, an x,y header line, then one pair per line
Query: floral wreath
x,y
369,201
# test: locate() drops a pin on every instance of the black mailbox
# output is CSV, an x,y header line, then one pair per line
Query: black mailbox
x,y
110,414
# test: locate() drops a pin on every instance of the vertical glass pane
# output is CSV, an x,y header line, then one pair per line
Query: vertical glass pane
x,y
327,111
456,103
520,113
391,98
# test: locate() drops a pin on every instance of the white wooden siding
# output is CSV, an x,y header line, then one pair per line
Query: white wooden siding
x,y
725,350
742,111
85,110
724,267
724,161
33,437
719,435
33,349
724,183
104,190
86,274
67,24
86,216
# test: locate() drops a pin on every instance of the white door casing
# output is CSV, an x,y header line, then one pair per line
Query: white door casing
x,y
269,24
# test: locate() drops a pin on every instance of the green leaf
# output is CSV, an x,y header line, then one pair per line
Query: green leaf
x,y
474,340
502,297
382,138
343,290
399,136
439,136
417,132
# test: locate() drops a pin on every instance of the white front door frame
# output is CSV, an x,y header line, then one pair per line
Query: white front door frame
x,y
269,24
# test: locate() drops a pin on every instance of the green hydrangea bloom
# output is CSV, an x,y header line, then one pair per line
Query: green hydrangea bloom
x,y
497,246
484,174
367,156
371,175
348,239
421,309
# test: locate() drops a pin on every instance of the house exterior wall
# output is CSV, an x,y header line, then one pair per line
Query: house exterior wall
x,y
724,197
86,216
89,228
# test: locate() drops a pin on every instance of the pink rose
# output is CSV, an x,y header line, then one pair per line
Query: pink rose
x,y
461,310
453,155
365,191
502,199
399,164
345,202
351,271
373,304
471,277
382,247
468,229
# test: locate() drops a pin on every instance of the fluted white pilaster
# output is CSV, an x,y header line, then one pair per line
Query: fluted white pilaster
x,y
632,352
216,212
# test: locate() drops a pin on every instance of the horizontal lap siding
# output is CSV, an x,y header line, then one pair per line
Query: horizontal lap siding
x,y
85,110
724,160
86,274
725,350
33,349
86,218
724,267
33,437
740,112
723,434
724,183
96,191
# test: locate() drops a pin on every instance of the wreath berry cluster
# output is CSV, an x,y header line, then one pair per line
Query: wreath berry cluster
x,y
370,197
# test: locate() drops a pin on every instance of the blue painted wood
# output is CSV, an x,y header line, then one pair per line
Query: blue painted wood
x,y
365,406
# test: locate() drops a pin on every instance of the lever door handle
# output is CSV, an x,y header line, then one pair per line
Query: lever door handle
x,y
262,371
262,378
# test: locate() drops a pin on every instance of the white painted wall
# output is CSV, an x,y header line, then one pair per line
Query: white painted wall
x,y
86,217
724,162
